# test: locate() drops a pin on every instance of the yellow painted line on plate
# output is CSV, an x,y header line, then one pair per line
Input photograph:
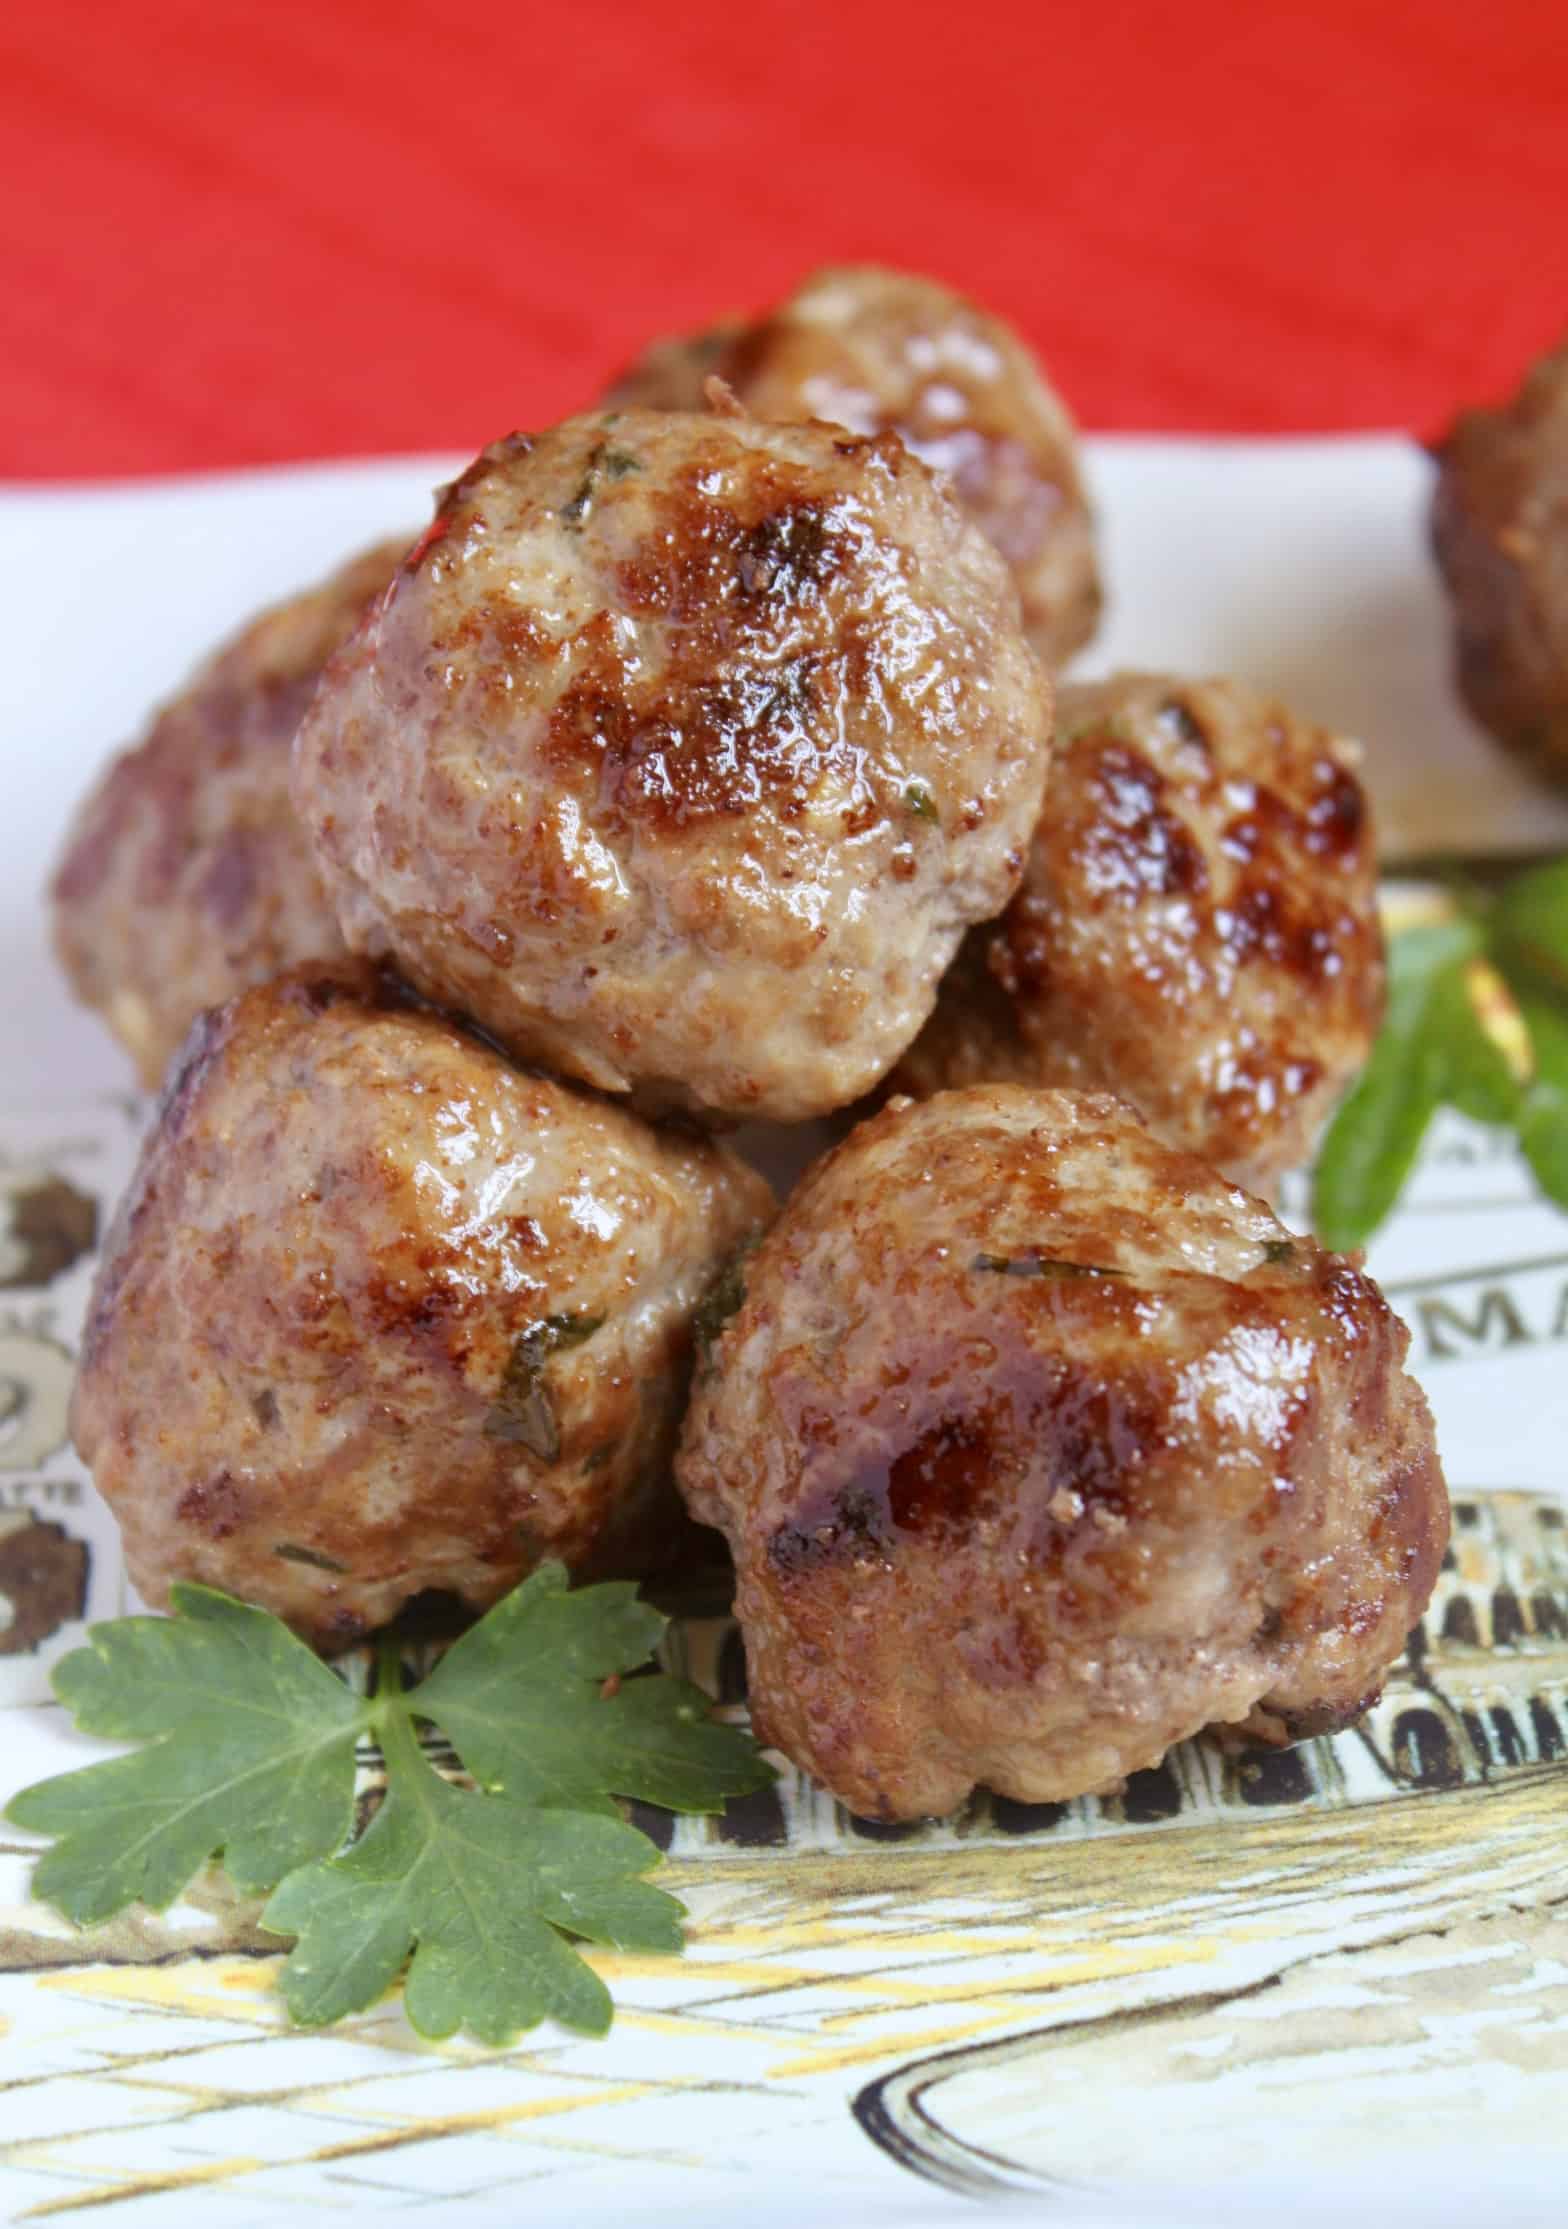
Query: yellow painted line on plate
x,y
203,1987
842,1934
356,2147
147,2186
621,1965
1109,1964
891,2047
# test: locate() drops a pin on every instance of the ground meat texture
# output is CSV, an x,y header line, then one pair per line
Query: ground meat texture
x,y
1197,929
382,1314
1040,1447
880,351
1500,531
680,755
186,876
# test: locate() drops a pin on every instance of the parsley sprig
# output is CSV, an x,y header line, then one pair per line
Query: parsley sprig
x,y
479,1892
1477,1020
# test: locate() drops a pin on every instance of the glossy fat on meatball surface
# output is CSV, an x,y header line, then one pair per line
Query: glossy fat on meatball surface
x,y
1040,1447
882,351
186,876
681,754
1197,929
1500,532
381,1313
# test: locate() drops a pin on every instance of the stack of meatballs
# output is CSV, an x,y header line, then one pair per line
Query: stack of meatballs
x,y
698,765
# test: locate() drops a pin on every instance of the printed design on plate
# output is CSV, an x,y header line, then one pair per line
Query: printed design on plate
x,y
35,1394
43,1580
47,1226
60,1560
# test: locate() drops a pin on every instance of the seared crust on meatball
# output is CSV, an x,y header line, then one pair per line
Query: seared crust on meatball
x,y
1040,1447
1197,929
382,1313
881,351
186,876
1500,532
680,755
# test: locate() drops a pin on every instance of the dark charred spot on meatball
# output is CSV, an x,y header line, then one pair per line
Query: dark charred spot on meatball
x,y
741,543
759,711
790,554
1337,816
940,1484
728,724
216,1506
1273,829
1137,847
848,1525
1259,925
1092,1440
415,1299
734,744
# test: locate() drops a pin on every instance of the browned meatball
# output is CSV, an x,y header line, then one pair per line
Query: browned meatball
x,y
1040,1447
1500,530
1197,929
681,754
382,1314
186,876
882,351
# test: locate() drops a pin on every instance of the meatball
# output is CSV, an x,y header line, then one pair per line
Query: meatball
x,y
186,876
1197,929
881,351
383,1314
1500,532
1039,1447
681,754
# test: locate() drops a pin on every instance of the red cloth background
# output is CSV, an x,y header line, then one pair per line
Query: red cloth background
x,y
309,227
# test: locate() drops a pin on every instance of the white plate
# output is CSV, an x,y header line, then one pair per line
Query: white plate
x,y
1269,1984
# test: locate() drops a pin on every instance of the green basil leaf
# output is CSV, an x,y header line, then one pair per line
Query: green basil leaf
x,y
1528,926
1371,1144
1543,1116
1472,1068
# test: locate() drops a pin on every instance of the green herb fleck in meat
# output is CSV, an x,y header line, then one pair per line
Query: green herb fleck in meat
x,y
523,1411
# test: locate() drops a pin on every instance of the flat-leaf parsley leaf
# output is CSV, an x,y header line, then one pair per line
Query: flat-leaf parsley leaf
x,y
481,1893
